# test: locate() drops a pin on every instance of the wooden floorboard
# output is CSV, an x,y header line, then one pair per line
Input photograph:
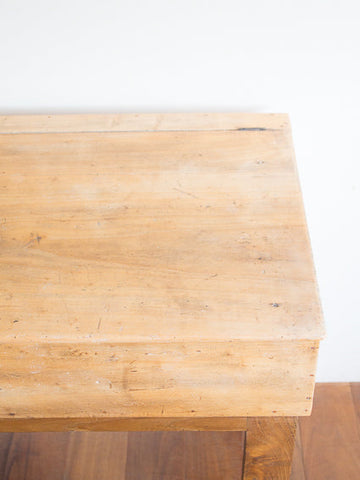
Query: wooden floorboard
x,y
355,392
327,447
185,456
122,456
330,437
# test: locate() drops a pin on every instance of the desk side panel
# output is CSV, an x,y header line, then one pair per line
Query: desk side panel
x,y
104,381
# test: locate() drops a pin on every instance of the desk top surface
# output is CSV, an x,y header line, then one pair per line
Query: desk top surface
x,y
153,228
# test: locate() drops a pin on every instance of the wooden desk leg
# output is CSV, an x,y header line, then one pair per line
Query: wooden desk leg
x,y
269,448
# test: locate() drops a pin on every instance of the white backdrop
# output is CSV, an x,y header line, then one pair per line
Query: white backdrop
x,y
300,57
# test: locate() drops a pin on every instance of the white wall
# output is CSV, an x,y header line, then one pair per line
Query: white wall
x,y
300,57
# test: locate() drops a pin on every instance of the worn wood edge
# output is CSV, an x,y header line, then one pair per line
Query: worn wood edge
x,y
81,123
139,424
19,401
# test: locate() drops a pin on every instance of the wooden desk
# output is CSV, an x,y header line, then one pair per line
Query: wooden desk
x,y
156,274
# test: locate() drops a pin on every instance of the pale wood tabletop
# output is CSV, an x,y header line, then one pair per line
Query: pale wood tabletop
x,y
153,266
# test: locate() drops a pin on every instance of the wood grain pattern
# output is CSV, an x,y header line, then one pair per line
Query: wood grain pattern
x,y
70,456
298,468
269,448
142,122
122,456
331,437
355,392
95,455
156,380
33,456
154,266
328,449
173,456
122,237
119,424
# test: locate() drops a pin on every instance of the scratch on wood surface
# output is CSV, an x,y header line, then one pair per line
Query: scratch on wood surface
x,y
252,129
185,193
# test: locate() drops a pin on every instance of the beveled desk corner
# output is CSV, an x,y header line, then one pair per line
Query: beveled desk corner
x,y
156,274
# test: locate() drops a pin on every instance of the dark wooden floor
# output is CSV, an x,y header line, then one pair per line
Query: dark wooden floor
x,y
328,442
328,447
